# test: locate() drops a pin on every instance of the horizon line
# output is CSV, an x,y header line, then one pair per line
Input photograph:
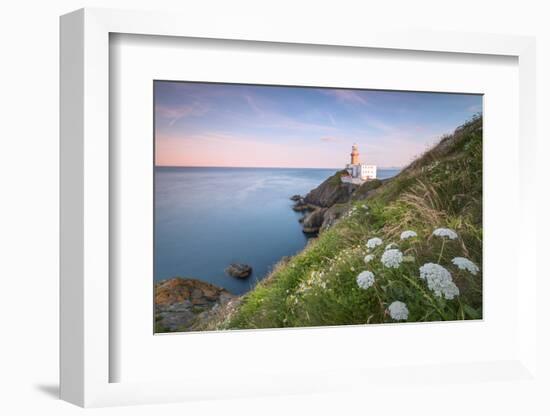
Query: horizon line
x,y
264,167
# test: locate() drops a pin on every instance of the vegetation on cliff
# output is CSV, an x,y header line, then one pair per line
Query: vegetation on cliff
x,y
407,249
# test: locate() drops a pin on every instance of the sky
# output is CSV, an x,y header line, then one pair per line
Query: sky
x,y
206,124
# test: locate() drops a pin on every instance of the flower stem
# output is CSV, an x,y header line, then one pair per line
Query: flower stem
x,y
376,291
441,252
426,295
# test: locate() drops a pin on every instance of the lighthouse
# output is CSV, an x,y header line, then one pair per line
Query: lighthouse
x,y
358,172
354,155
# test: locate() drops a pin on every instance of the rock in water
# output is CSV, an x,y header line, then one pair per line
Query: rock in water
x,y
296,198
241,271
301,206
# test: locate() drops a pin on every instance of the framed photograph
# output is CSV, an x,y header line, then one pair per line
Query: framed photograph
x,y
376,178
335,202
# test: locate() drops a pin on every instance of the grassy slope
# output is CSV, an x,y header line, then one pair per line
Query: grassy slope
x,y
443,188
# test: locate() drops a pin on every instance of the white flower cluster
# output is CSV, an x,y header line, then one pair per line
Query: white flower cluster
x,y
352,211
373,242
365,279
398,311
408,234
368,258
465,264
439,280
391,245
392,258
445,232
316,279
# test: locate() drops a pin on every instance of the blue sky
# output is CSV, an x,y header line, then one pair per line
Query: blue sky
x,y
200,124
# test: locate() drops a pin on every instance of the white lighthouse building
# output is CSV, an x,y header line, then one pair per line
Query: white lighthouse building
x,y
358,172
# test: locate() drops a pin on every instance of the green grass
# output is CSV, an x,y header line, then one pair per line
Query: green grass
x,y
443,188
363,191
335,179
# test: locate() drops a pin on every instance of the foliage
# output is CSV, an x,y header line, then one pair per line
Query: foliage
x,y
336,178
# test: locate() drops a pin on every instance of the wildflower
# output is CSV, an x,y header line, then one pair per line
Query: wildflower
x,y
391,245
368,258
392,258
398,311
365,279
373,242
439,280
408,234
445,232
465,264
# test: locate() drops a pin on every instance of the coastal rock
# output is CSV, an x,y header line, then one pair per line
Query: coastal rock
x,y
301,206
331,191
181,304
324,205
241,271
296,198
332,215
174,321
313,221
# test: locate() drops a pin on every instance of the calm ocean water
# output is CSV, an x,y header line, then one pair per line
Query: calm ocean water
x,y
207,218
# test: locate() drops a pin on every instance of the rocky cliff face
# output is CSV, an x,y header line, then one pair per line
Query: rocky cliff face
x,y
330,192
181,304
332,215
324,205
313,221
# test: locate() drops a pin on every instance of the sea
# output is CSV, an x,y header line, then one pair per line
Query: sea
x,y
207,218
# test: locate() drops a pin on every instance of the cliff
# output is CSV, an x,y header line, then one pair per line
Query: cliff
x,y
325,204
331,191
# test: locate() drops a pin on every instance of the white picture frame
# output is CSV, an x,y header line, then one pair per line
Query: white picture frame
x,y
86,356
